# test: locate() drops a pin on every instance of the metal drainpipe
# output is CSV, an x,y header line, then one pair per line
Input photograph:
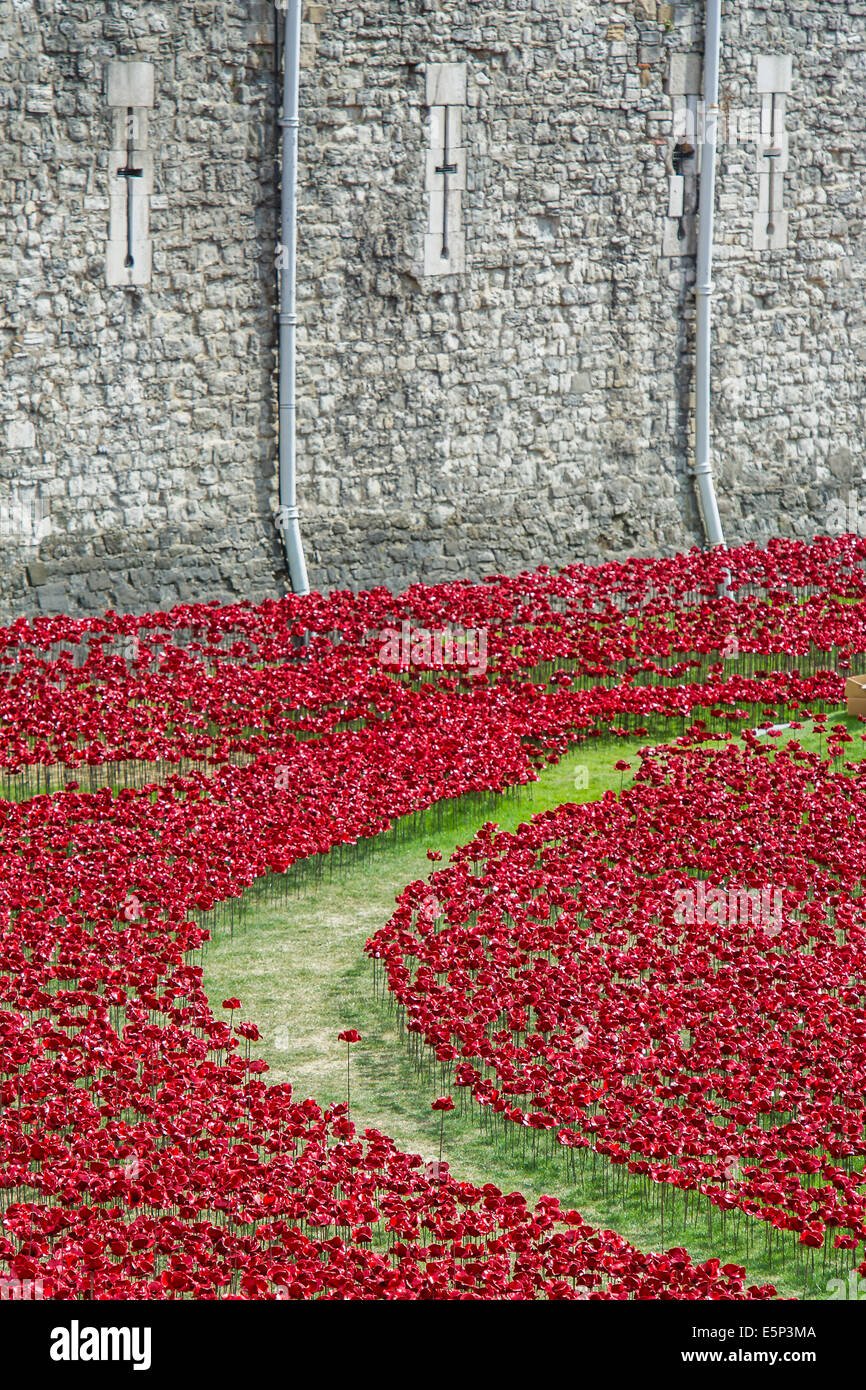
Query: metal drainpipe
x,y
287,513
704,286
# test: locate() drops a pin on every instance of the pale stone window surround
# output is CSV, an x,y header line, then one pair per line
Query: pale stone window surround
x,y
684,84
445,172
770,222
129,254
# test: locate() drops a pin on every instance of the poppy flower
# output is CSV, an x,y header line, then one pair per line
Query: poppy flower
x,y
616,982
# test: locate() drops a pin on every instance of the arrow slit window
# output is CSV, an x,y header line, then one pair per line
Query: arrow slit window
x,y
684,82
130,175
770,225
445,181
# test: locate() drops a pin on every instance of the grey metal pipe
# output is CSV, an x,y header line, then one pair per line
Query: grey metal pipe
x,y
287,514
704,283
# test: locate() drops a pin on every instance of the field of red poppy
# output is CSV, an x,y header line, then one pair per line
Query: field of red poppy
x,y
231,834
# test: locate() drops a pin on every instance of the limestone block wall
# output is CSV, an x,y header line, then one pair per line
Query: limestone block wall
x,y
525,399
136,425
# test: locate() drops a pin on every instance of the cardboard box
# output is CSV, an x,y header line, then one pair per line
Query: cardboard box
x,y
855,695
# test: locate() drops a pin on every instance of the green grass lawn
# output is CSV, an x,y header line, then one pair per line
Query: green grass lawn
x,y
300,971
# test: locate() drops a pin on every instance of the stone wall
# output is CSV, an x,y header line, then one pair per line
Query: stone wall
x,y
532,407
142,419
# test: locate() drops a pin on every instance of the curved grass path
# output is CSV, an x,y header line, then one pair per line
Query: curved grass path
x,y
300,971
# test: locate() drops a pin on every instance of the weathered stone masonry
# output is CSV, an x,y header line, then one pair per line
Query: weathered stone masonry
x,y
534,406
